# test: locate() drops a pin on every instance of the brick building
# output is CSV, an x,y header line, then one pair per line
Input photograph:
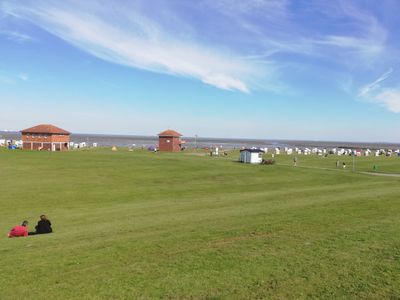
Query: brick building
x,y
169,140
45,137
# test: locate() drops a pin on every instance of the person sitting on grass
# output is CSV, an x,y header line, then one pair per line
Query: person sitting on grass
x,y
19,230
43,226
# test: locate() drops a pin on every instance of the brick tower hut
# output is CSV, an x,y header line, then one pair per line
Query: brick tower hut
x,y
45,137
169,140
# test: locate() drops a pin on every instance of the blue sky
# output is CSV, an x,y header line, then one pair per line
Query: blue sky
x,y
272,69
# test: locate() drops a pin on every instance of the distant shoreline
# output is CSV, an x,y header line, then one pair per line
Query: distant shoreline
x,y
200,142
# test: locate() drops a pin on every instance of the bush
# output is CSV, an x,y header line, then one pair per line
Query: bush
x,y
268,161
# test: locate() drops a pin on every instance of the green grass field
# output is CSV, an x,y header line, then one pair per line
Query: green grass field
x,y
159,225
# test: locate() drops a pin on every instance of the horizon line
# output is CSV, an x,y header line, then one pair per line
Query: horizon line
x,y
225,138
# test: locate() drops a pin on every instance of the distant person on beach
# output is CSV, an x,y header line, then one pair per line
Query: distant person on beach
x,y
295,161
19,230
43,226
344,165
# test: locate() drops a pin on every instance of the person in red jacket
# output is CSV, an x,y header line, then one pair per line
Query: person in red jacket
x,y
19,230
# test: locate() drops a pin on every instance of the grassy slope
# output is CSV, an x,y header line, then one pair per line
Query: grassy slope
x,y
366,164
174,225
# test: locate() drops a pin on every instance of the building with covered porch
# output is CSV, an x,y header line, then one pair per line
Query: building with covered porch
x,y
45,137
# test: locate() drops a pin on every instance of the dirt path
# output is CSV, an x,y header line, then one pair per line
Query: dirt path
x,y
348,170
380,174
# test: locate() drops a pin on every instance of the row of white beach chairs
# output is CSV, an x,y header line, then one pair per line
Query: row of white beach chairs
x,y
334,151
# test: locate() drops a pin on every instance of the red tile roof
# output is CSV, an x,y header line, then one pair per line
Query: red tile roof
x,y
45,128
170,132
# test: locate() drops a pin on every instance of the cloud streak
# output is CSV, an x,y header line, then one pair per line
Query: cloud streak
x,y
140,43
6,80
367,89
23,76
16,36
12,79
368,38
275,27
388,98
228,44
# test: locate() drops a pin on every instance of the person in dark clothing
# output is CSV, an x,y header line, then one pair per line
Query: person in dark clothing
x,y
43,226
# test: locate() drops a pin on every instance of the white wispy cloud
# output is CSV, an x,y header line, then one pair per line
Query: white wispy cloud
x,y
16,36
368,88
273,27
23,76
388,98
242,46
6,79
368,36
366,46
137,41
273,7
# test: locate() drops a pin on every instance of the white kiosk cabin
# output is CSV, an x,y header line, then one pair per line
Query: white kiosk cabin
x,y
251,156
